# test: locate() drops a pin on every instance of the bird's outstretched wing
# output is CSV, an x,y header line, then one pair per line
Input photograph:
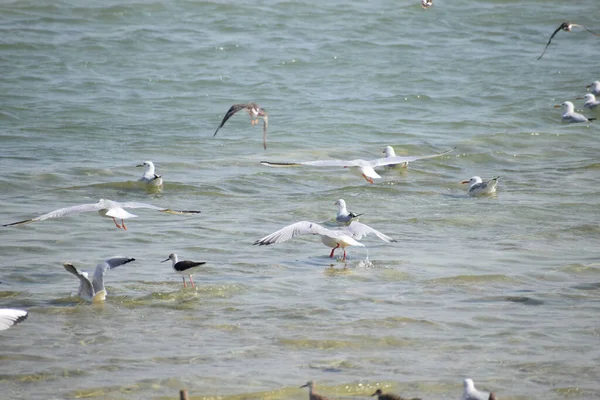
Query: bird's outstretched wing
x,y
265,125
101,268
135,204
357,230
562,26
10,317
317,163
232,110
402,159
293,230
61,212
86,290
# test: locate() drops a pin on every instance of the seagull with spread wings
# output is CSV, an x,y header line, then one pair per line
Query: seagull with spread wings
x,y
567,27
93,290
10,317
255,111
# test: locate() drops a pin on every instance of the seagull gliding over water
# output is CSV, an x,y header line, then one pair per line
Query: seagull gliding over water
x,y
255,111
565,26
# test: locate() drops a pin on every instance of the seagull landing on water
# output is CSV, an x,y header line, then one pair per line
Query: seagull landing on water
x,y
184,267
470,393
366,167
590,101
569,114
478,188
343,215
10,317
255,111
388,396
594,88
340,238
567,27
106,208
426,3
94,290
312,395
150,176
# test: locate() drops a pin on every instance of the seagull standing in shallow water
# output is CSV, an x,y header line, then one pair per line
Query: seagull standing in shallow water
x,y
94,290
565,26
184,267
106,208
10,317
569,114
150,176
255,111
341,238
343,215
478,188
590,101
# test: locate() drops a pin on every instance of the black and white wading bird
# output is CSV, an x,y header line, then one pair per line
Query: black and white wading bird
x,y
184,268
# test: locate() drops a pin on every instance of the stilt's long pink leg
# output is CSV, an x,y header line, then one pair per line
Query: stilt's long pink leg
x,y
191,281
332,250
184,284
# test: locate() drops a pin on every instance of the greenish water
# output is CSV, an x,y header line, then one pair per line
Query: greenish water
x,y
504,290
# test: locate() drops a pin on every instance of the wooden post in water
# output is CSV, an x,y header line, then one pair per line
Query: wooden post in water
x,y
183,394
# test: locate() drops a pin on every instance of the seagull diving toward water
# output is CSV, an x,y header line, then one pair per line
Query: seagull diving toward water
x,y
312,395
367,168
590,101
10,317
426,3
255,111
184,267
388,396
106,208
343,237
150,176
478,188
94,290
565,26
594,88
343,215
470,393
569,114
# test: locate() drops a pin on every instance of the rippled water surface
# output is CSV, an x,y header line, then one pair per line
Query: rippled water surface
x,y
503,289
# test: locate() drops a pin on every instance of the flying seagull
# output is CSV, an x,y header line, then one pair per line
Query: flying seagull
x,y
569,114
388,396
343,237
343,215
312,395
255,111
184,267
478,188
10,317
150,176
94,290
565,26
366,167
426,3
106,208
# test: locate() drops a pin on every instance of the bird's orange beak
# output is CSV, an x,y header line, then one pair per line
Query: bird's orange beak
x,y
557,106
465,182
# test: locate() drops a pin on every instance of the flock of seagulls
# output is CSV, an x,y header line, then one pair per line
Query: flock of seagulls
x,y
568,108
469,393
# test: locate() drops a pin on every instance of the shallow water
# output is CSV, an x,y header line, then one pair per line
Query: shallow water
x,y
503,289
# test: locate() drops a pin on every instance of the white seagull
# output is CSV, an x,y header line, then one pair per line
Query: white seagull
x,y
366,167
470,393
594,87
150,176
10,317
426,3
389,152
94,290
343,215
569,114
343,237
478,188
106,208
590,101
184,267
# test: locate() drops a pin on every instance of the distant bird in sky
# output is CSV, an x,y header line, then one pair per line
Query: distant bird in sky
x,y
565,26
426,3
388,396
184,267
10,317
106,208
590,101
255,111
478,188
594,88
93,290
150,176
343,215
569,114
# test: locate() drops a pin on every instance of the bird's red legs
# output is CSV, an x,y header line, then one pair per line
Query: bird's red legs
x,y
370,180
184,284
191,281
116,223
332,250
344,259
123,224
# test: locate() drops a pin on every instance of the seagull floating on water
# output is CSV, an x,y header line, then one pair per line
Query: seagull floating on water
x,y
426,3
470,393
478,188
340,238
184,267
565,26
590,101
594,87
255,111
388,396
106,208
366,167
10,317
569,114
389,152
343,215
150,176
94,290
312,395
